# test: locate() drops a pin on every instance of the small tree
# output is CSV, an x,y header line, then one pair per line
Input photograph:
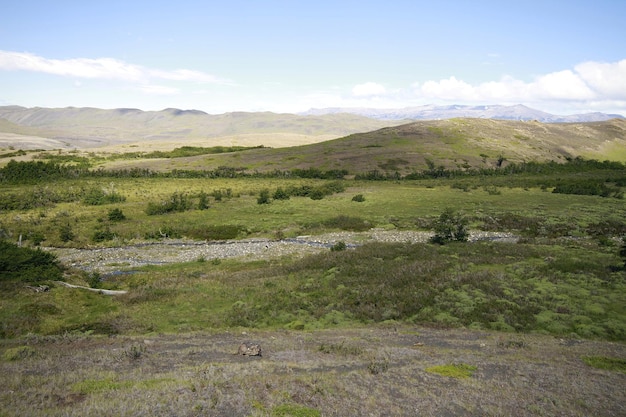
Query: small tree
x,y
450,227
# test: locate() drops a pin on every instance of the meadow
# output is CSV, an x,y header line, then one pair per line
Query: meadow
x,y
332,320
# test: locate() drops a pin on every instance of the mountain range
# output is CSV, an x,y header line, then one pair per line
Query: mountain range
x,y
116,129
433,112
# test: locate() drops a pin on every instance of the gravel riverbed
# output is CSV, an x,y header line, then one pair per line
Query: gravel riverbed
x,y
123,258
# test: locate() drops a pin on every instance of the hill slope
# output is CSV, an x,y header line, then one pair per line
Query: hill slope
x,y
454,143
90,127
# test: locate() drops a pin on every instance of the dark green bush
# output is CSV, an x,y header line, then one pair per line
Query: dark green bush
x,y
450,227
177,202
102,235
25,264
203,201
116,215
337,247
66,233
358,198
280,194
264,197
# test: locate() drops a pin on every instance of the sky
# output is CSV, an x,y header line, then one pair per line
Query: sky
x,y
562,57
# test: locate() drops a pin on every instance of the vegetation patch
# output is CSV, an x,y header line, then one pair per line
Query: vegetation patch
x,y
455,370
603,362
18,353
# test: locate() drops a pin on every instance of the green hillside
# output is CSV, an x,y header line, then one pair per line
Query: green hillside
x,y
454,143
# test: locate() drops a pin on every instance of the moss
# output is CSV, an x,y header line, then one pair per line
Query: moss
x,y
455,370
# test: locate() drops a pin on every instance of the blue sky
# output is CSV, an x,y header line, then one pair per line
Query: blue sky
x,y
288,56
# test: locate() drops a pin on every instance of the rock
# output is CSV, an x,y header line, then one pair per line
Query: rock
x,y
249,349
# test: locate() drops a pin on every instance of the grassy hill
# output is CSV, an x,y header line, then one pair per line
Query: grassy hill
x,y
82,128
454,143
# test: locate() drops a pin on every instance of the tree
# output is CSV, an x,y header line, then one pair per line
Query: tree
x,y
450,227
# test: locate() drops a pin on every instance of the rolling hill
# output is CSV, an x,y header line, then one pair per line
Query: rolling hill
x,y
453,143
81,128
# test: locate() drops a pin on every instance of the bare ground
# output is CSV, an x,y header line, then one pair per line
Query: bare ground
x,y
374,371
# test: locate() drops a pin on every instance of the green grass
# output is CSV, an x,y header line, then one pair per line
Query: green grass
x,y
455,370
603,362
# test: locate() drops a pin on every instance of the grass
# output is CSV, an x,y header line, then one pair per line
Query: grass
x,y
408,204
199,374
328,322
455,370
603,362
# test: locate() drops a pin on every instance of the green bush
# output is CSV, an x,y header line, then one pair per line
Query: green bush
x,y
358,198
66,233
203,201
98,197
450,227
29,265
264,197
355,224
280,194
116,215
177,202
337,247
102,235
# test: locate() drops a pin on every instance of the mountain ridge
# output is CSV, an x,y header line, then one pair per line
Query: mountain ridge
x,y
437,112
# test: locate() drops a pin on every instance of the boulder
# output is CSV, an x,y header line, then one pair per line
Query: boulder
x,y
249,349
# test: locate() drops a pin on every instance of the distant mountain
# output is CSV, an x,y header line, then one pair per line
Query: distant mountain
x,y
433,112
85,127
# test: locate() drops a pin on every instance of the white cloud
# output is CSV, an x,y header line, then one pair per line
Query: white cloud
x,y
607,79
368,89
103,68
588,84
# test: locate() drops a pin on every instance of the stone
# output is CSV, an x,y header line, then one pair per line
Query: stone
x,y
249,349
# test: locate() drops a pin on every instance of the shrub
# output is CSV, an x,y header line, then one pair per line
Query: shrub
x,y
264,197
177,202
355,224
280,194
27,264
65,233
450,227
102,235
358,198
98,197
337,247
116,215
203,201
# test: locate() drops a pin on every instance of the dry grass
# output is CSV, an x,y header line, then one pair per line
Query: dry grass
x,y
376,371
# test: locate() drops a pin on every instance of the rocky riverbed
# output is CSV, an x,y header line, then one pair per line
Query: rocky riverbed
x,y
123,258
